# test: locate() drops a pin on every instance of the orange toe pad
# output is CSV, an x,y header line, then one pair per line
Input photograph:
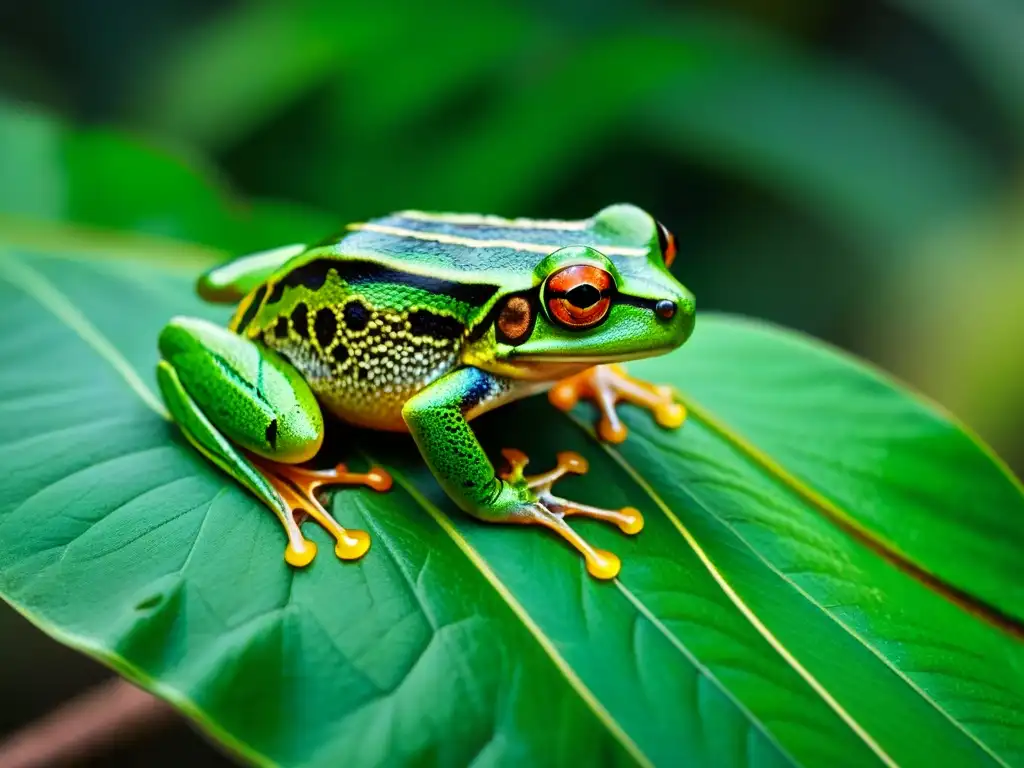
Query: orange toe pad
x,y
607,386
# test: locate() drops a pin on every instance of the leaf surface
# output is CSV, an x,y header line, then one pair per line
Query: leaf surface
x,y
747,626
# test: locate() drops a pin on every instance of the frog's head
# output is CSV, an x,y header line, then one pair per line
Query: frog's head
x,y
609,298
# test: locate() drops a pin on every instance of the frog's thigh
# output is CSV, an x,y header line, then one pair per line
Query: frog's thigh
x,y
250,395
252,414
199,430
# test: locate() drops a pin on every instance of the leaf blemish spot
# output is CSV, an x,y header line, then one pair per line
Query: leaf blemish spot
x,y
150,602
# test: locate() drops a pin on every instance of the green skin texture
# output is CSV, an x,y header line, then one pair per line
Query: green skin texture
x,y
231,394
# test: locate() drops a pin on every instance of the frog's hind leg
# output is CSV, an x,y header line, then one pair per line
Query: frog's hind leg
x,y
298,486
248,412
199,431
607,385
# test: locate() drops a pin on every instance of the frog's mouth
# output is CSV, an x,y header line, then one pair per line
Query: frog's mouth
x,y
587,359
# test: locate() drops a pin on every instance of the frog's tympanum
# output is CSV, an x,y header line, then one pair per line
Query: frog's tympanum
x,y
420,322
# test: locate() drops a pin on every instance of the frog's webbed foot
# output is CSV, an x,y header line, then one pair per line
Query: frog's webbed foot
x,y
607,385
551,511
298,486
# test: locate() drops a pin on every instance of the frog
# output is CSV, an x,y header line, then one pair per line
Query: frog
x,y
419,322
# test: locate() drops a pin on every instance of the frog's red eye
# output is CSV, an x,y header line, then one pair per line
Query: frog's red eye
x,y
579,297
667,243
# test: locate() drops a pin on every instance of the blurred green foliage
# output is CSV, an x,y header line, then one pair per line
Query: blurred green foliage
x,y
849,169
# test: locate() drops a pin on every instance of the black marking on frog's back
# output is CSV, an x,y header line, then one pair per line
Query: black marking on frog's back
x,y
339,354
252,308
356,315
313,275
300,320
423,322
325,326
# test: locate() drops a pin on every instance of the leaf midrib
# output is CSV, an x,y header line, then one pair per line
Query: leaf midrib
x,y
60,306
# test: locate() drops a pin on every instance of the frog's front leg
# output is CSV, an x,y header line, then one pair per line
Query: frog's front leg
x,y
607,385
251,414
437,419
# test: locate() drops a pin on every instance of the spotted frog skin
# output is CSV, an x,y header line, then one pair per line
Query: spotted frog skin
x,y
420,322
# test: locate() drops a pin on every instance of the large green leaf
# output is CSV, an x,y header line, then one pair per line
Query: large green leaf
x,y
792,598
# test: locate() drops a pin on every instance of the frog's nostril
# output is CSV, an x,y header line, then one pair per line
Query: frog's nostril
x,y
665,309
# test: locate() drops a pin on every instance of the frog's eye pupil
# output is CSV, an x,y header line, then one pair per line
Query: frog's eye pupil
x,y
583,296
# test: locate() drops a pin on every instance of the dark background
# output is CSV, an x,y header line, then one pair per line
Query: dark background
x,y
852,170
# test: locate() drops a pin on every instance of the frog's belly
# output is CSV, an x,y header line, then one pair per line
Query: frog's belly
x,y
365,374
384,411
373,395
371,386
381,411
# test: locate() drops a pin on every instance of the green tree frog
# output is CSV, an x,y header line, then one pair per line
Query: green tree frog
x,y
420,322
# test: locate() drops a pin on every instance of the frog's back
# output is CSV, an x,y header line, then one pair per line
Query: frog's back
x,y
371,318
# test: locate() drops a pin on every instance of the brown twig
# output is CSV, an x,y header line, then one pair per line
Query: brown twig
x,y
110,713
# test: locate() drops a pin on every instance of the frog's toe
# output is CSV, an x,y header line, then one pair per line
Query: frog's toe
x,y
669,414
353,545
301,555
566,393
297,487
551,511
607,386
611,429
628,519
603,564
